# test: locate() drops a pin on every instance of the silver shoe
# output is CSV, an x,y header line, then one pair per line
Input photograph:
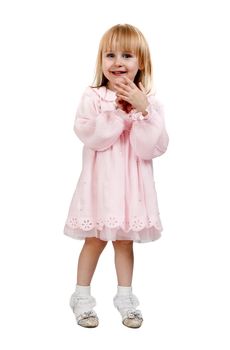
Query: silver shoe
x,y
126,305
88,319
132,319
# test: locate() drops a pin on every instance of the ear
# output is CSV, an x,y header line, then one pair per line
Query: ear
x,y
140,66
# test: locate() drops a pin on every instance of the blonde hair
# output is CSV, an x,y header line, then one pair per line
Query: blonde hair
x,y
124,37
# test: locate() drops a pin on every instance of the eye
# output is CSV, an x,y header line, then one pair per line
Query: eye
x,y
127,55
110,54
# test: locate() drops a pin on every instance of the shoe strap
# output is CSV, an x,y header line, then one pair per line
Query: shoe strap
x,y
133,314
87,314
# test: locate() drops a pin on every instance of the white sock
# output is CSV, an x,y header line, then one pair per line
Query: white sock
x,y
83,290
121,290
81,300
125,300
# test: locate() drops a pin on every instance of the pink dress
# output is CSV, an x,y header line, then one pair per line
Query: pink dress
x,y
115,197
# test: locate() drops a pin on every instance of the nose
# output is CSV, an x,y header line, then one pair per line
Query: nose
x,y
117,60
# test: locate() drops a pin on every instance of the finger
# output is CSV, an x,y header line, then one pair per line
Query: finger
x,y
123,97
128,81
120,91
122,86
142,87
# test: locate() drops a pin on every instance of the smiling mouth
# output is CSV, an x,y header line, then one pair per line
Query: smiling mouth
x,y
118,73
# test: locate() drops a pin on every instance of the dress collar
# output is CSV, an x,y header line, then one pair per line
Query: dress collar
x,y
105,94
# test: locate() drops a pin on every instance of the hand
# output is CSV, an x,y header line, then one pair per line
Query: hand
x,y
130,93
125,106
122,104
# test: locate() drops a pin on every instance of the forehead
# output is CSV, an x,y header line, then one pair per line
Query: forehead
x,y
122,42
118,47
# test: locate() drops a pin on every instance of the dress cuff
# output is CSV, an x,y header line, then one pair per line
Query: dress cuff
x,y
134,115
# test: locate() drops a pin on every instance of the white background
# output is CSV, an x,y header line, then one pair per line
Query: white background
x,y
48,52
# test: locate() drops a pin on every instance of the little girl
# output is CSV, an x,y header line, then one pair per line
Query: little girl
x,y
122,127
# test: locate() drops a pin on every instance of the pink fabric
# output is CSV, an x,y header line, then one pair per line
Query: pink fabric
x,y
115,197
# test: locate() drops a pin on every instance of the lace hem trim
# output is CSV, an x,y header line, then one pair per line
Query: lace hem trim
x,y
136,224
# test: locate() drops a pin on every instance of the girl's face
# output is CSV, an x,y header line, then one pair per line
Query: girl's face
x,y
117,64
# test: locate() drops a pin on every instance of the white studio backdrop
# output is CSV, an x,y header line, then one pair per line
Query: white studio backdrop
x,y
48,54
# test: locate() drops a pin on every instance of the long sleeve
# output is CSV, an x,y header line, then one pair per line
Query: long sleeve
x,y
149,137
97,130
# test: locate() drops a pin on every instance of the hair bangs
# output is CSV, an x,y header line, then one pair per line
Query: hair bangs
x,y
122,39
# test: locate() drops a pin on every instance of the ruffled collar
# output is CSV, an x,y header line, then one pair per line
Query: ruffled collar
x,y
105,94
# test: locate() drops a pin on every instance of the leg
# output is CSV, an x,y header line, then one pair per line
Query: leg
x,y
81,301
124,260
88,259
125,301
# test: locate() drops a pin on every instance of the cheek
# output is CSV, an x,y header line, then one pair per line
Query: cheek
x,y
105,65
137,67
134,67
134,70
